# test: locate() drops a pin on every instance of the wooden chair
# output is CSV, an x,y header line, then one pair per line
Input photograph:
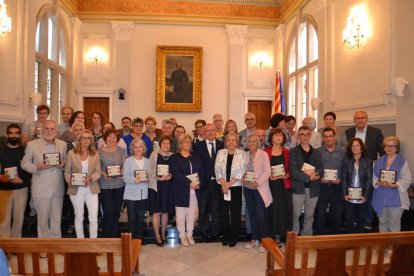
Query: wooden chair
x,y
331,254
79,254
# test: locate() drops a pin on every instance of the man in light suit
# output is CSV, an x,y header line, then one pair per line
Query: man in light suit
x,y
250,121
372,137
210,191
47,180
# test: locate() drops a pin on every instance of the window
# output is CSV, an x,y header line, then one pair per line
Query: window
x,y
303,71
51,64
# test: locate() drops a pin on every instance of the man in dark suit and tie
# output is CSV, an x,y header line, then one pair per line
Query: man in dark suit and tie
x,y
372,137
209,201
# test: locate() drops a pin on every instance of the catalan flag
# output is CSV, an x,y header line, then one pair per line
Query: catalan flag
x,y
279,97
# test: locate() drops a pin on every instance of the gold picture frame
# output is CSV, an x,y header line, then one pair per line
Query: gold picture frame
x,y
179,78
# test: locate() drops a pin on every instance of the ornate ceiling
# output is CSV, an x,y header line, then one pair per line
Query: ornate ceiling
x,y
256,12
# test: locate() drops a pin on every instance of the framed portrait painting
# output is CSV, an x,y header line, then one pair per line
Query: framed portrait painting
x,y
179,75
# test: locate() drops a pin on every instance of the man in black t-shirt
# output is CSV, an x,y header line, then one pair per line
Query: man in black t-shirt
x,y
13,185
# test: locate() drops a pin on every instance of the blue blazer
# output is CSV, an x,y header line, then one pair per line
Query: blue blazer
x,y
207,161
180,168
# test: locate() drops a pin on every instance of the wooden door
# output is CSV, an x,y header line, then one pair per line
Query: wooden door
x,y
263,112
92,104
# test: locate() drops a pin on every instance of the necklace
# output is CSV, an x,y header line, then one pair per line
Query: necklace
x,y
165,157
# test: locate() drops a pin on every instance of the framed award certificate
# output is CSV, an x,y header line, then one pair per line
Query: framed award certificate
x,y
162,170
11,172
142,175
194,178
249,176
307,166
113,171
51,159
78,179
278,170
330,175
388,176
355,193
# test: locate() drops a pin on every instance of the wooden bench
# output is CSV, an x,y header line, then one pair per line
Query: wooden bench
x,y
331,255
80,255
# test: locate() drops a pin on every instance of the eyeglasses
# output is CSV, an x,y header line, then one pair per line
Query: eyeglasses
x,y
199,126
390,146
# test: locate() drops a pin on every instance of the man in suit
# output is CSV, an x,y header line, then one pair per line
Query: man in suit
x,y
209,201
372,137
47,180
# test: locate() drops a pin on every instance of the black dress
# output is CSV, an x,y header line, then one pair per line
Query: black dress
x,y
161,201
280,213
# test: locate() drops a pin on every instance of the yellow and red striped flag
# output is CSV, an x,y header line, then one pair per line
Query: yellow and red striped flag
x,y
279,99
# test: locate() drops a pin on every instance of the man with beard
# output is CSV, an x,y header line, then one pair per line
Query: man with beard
x,y
13,185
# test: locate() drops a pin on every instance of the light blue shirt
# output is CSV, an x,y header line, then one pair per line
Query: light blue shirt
x,y
134,191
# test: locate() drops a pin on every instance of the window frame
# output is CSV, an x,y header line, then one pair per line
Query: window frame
x,y
293,41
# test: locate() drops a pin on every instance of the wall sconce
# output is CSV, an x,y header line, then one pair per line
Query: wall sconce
x,y
121,92
96,55
5,20
261,59
356,33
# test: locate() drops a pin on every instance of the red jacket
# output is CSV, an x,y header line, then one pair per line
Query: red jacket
x,y
285,153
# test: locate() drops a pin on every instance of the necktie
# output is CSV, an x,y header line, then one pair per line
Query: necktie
x,y
213,151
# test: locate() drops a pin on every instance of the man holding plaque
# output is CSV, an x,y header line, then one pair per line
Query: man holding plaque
x,y
44,158
306,169
13,185
330,194
210,191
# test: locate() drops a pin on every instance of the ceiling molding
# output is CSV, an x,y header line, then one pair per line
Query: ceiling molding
x,y
268,13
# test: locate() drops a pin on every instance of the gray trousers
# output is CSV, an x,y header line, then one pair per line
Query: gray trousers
x,y
390,221
13,203
49,216
304,201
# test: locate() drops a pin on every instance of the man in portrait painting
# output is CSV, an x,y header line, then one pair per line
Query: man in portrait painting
x,y
178,88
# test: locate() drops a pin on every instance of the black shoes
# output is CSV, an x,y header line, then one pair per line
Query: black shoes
x,y
224,243
232,244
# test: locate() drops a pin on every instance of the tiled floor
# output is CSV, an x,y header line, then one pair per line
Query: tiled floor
x,y
201,259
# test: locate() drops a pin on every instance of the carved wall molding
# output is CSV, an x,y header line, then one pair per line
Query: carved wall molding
x,y
122,30
75,24
281,34
180,8
321,4
236,33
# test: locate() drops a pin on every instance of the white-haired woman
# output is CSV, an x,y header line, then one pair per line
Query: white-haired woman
x,y
136,188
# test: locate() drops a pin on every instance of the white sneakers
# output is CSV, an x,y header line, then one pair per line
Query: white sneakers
x,y
253,243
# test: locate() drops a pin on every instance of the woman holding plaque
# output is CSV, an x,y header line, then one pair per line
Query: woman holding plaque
x,y
136,188
77,129
101,142
356,182
229,168
111,182
280,215
256,190
82,171
186,170
392,178
160,199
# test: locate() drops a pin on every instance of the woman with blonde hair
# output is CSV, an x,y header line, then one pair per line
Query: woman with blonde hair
x,y
84,159
256,190
390,196
186,170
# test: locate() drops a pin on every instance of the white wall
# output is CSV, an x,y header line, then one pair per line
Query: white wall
x,y
403,11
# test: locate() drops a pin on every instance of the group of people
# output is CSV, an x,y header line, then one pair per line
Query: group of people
x,y
275,175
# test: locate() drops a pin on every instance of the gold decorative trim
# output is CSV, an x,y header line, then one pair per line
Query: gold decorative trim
x,y
186,98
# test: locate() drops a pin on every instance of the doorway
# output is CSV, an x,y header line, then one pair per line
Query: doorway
x,y
263,112
92,104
